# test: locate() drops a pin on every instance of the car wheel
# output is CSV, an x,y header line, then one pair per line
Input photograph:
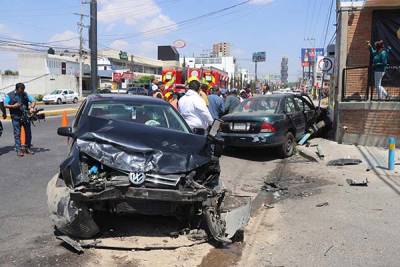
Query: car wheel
x,y
287,148
59,101
75,100
46,103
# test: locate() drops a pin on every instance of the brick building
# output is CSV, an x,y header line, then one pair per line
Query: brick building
x,y
360,118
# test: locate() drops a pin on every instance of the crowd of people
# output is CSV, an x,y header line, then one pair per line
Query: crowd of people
x,y
199,104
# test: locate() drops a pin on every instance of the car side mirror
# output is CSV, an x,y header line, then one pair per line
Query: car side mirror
x,y
65,131
199,131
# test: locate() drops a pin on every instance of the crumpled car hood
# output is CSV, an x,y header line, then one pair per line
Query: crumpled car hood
x,y
133,147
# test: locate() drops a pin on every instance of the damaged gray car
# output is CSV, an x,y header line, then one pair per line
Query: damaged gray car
x,y
134,154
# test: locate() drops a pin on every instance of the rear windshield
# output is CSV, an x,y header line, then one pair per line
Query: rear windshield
x,y
265,104
163,116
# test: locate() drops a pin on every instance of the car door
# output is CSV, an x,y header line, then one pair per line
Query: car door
x,y
72,95
65,95
295,116
307,110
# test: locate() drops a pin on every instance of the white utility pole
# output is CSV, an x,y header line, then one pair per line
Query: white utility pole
x,y
81,40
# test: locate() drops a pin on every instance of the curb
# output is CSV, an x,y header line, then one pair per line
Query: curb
x,y
53,113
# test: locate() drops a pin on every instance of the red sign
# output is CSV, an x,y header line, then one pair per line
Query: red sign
x,y
118,76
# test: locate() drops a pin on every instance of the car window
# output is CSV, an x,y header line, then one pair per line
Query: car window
x,y
300,103
79,113
290,105
71,92
65,92
264,104
154,115
56,92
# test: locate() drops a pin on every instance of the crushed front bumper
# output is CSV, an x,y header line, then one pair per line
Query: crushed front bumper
x,y
135,193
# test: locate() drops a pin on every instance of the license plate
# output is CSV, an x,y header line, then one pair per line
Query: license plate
x,y
240,126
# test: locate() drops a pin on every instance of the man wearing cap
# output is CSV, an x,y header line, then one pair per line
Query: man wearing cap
x,y
215,104
193,108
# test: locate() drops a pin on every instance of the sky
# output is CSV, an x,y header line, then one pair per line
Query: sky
x,y
278,27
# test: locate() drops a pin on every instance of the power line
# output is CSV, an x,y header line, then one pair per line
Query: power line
x,y
329,21
181,23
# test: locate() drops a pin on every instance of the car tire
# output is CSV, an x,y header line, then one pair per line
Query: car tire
x,y
46,103
287,149
59,101
75,100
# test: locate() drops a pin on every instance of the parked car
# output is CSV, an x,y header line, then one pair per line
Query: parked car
x,y
136,154
61,96
104,91
277,120
137,91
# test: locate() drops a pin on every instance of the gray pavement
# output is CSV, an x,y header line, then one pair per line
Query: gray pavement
x,y
25,230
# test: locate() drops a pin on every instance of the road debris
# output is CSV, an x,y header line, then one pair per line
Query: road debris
x,y
320,152
352,182
322,204
268,206
343,162
326,252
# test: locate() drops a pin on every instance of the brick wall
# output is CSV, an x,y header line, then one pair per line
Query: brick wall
x,y
356,84
371,122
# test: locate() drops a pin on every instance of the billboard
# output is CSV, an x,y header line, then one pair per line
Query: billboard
x,y
310,55
259,56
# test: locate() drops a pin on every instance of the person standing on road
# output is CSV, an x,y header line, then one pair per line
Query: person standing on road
x,y
266,90
153,86
20,104
193,108
231,101
380,57
4,111
215,104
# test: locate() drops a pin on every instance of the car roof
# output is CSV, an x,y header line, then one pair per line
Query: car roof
x,y
126,98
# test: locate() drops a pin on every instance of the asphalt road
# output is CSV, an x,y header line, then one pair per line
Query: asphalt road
x,y
25,230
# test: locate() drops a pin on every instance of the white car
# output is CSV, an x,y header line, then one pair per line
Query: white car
x,y
61,96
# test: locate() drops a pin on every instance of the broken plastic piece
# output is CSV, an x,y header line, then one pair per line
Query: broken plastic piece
x,y
93,170
343,162
322,204
352,182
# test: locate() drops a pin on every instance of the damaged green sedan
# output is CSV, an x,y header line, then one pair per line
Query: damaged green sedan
x,y
133,154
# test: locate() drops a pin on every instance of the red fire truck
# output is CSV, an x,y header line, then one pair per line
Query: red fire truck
x,y
174,78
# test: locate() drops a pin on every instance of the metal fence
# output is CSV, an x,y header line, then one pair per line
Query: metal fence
x,y
356,88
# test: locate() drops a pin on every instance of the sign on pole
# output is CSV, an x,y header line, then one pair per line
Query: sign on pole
x,y
326,65
259,57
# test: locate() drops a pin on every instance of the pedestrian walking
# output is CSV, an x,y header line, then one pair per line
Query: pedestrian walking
x,y
380,57
20,105
231,101
215,104
193,108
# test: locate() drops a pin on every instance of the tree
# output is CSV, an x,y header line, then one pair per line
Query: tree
x,y
51,51
145,79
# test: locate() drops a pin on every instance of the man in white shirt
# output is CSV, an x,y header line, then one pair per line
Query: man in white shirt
x,y
193,108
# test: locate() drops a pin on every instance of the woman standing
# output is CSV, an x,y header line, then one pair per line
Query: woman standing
x,y
379,62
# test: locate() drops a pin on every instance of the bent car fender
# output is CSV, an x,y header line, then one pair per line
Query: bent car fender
x,y
69,217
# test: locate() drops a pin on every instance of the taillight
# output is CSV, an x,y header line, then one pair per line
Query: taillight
x,y
267,128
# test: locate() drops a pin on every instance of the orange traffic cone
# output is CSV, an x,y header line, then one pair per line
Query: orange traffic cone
x,y
64,120
23,137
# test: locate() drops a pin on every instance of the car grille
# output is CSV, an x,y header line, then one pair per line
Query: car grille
x,y
170,179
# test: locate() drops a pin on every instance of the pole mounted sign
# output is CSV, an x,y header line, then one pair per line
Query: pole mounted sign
x,y
326,65
259,57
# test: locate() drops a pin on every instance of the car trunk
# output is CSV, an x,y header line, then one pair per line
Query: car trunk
x,y
245,122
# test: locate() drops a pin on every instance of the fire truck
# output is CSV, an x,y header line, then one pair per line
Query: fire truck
x,y
175,78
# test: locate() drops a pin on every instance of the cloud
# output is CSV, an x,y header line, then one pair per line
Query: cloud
x,y
261,2
143,15
4,30
67,38
119,45
145,48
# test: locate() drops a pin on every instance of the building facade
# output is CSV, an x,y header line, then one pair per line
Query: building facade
x,y
360,117
222,49
284,70
42,73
